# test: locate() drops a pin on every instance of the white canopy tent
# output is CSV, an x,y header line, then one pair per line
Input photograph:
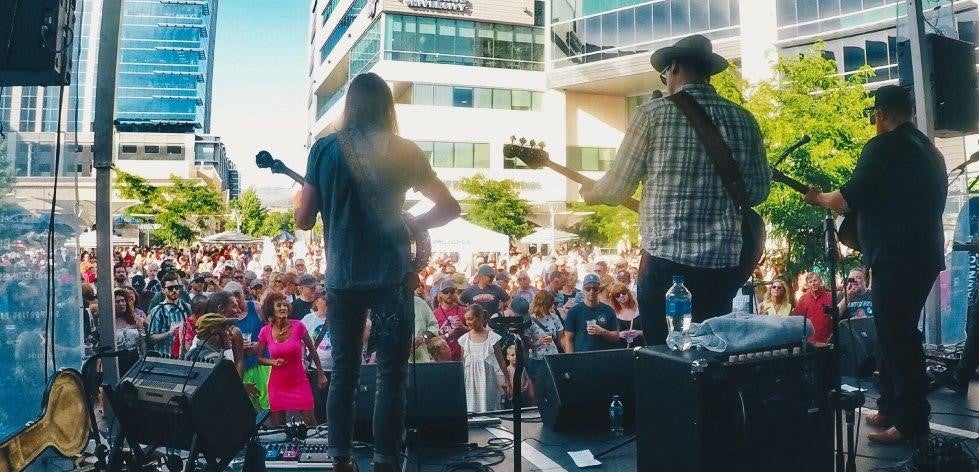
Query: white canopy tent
x,y
463,237
549,236
87,240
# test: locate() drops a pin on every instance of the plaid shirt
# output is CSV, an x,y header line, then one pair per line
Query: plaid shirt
x,y
686,214
162,318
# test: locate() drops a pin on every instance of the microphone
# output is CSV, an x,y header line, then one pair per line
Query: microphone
x,y
801,142
972,159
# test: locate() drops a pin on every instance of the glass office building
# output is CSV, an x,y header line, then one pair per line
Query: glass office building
x,y
166,65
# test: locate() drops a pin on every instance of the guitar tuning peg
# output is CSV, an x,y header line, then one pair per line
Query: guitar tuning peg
x,y
533,143
523,141
540,144
513,139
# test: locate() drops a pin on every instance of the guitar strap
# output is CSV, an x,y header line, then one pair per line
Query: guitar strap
x,y
388,217
717,149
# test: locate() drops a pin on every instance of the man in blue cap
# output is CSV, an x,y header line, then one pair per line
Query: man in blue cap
x,y
485,292
590,326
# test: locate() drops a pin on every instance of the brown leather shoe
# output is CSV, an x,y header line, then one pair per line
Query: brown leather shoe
x,y
345,465
381,467
878,420
888,437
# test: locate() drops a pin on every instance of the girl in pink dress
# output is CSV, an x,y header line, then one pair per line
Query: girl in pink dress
x,y
289,388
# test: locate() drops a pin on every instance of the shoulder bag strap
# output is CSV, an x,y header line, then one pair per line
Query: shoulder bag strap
x,y
717,149
387,216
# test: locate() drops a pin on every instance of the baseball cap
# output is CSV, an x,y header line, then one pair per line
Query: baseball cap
x,y
232,287
199,278
138,282
257,283
229,264
894,97
307,280
485,269
520,306
250,275
591,279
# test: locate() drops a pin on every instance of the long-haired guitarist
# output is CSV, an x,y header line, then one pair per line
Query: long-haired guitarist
x,y
899,190
357,179
688,221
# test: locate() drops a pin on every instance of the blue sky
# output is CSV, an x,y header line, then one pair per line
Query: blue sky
x,y
260,84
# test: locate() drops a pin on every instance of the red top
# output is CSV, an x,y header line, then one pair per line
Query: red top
x,y
443,317
812,307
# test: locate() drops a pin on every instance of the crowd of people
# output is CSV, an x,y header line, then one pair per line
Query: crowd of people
x,y
211,302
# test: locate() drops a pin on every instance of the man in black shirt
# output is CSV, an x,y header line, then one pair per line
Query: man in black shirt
x,y
590,326
303,303
485,292
900,178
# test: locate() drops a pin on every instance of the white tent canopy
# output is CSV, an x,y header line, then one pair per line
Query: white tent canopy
x,y
87,239
462,236
549,236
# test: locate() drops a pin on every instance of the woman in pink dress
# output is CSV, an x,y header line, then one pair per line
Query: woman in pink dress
x,y
289,388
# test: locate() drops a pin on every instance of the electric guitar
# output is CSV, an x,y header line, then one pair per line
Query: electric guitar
x,y
846,233
532,154
420,249
63,425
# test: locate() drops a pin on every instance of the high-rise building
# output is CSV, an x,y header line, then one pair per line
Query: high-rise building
x,y
468,74
166,65
163,102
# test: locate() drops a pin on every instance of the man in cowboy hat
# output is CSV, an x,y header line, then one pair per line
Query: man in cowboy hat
x,y
688,221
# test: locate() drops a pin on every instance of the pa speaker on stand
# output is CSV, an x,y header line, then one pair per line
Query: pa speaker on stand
x,y
35,42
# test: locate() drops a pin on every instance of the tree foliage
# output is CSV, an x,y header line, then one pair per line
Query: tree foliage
x,y
256,220
183,209
807,96
496,204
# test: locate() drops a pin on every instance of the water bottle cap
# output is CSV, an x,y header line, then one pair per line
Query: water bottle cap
x,y
615,397
678,279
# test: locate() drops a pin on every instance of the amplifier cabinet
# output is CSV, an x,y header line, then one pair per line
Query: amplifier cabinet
x,y
699,411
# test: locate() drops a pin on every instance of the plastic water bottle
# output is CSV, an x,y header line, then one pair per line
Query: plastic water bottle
x,y
615,414
678,315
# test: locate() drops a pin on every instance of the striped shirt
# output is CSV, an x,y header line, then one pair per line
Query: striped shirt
x,y
686,215
162,318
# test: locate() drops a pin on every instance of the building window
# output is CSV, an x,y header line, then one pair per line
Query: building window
x,y
50,116
28,108
605,29
456,155
340,31
149,149
590,158
178,150
6,105
471,97
462,42
128,149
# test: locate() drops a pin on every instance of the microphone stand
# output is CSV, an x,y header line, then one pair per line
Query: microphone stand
x,y
845,404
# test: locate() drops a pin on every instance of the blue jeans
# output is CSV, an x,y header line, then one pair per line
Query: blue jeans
x,y
393,318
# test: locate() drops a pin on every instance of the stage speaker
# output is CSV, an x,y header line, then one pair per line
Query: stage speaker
x,y
436,402
36,42
953,83
702,412
166,402
574,390
858,347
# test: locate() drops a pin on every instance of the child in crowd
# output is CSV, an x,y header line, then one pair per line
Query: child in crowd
x,y
526,387
483,363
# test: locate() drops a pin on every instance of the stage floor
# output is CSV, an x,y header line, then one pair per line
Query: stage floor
x,y
544,450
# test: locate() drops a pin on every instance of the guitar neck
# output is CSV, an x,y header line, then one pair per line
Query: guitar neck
x,y
629,202
291,173
778,176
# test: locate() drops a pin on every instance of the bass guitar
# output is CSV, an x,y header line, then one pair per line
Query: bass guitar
x,y
420,243
63,425
532,154
846,233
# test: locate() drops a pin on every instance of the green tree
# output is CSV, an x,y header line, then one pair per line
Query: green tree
x,y
496,204
807,96
183,209
276,221
250,212
606,225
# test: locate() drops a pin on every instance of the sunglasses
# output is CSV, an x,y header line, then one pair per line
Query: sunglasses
x,y
778,287
623,294
173,287
591,288
662,75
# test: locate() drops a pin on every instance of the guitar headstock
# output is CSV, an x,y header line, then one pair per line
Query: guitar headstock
x,y
264,160
531,152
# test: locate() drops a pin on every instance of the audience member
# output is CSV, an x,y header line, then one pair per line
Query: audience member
x,y
590,326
